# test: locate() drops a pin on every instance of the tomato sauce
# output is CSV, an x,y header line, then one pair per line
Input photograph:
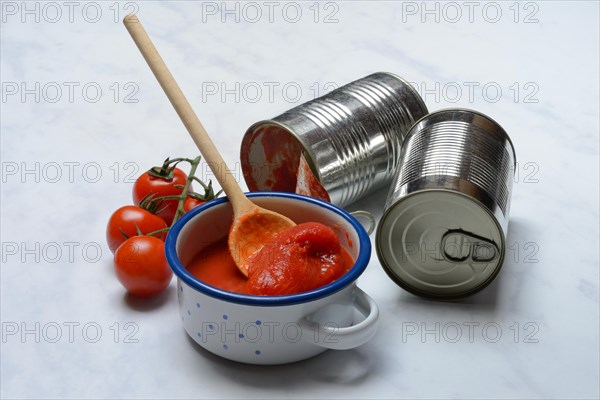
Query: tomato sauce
x,y
350,241
300,259
214,266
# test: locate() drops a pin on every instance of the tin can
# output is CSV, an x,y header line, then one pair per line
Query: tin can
x,y
443,232
351,139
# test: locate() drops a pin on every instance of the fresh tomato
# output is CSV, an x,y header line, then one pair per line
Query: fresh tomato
x,y
141,266
192,202
127,220
161,182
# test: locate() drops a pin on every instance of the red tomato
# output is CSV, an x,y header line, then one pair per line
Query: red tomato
x,y
147,184
191,202
126,219
141,266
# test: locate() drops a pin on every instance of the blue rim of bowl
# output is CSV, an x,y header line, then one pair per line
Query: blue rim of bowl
x,y
349,277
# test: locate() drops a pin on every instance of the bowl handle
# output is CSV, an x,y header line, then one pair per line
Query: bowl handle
x,y
366,219
342,338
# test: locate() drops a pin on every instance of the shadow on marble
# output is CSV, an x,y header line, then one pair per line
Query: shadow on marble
x,y
145,304
337,367
519,229
521,256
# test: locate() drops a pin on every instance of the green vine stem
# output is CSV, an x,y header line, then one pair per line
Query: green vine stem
x,y
166,170
180,210
153,233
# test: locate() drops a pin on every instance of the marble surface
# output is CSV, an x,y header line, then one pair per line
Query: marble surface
x,y
81,113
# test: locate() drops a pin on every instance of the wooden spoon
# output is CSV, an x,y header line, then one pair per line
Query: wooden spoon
x,y
252,226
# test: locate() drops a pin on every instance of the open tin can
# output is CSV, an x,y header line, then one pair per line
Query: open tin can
x,y
443,231
350,138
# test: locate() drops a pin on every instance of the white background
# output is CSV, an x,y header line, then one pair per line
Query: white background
x,y
533,67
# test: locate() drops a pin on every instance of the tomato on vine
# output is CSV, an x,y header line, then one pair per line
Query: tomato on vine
x,y
141,266
131,221
135,234
166,182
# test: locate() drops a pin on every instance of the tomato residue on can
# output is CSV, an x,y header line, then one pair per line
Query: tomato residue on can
x,y
278,164
308,184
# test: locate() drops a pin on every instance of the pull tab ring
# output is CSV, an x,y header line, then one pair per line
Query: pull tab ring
x,y
459,246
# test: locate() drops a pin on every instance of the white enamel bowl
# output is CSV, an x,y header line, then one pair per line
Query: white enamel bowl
x,y
272,329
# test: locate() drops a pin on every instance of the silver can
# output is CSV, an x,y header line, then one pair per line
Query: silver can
x,y
443,231
351,139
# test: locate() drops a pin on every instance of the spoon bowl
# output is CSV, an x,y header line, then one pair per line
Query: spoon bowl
x,y
252,231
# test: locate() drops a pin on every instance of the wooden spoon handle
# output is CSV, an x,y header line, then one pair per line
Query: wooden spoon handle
x,y
188,116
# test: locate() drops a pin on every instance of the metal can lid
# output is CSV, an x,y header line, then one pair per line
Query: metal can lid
x,y
440,244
